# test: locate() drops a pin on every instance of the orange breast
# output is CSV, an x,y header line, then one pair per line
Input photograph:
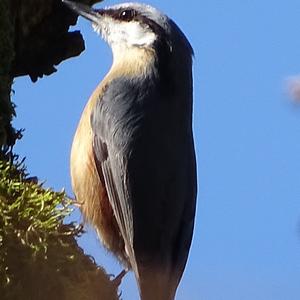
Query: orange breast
x,y
89,191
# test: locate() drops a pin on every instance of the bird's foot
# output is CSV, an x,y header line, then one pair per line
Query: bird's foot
x,y
118,279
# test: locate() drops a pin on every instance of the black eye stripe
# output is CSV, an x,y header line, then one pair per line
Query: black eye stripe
x,y
122,14
129,14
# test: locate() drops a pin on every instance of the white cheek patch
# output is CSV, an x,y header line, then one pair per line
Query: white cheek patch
x,y
138,35
126,33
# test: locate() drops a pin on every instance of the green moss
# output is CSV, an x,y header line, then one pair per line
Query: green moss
x,y
39,255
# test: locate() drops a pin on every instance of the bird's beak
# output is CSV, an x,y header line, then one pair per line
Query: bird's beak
x,y
83,10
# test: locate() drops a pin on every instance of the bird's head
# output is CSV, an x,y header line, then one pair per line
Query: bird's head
x,y
129,25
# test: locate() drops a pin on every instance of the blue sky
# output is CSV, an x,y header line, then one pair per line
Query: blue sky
x,y
247,237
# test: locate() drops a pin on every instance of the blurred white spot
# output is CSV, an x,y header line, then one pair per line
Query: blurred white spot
x,y
293,87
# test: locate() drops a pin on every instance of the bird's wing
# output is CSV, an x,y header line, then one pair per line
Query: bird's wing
x,y
146,158
111,150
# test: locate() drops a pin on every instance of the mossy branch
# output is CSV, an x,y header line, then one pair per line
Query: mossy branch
x,y
39,254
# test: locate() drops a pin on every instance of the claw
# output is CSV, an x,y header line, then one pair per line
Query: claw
x,y
118,279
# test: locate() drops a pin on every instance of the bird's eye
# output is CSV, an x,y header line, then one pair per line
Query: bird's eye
x,y
127,15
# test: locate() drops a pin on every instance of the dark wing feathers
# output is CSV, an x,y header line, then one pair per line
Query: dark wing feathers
x,y
113,122
117,195
148,166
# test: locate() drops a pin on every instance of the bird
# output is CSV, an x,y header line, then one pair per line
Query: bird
x,y
133,165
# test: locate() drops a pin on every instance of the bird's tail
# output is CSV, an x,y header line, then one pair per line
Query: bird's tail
x,y
156,284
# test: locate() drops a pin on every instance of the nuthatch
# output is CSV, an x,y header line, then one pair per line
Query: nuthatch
x,y
132,159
